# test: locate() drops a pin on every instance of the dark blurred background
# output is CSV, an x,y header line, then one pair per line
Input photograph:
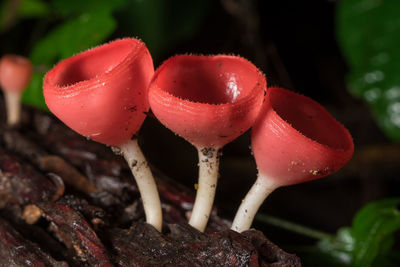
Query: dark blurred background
x,y
297,44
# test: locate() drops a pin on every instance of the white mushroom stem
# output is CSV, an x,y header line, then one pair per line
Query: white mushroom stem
x,y
251,203
208,176
145,182
13,107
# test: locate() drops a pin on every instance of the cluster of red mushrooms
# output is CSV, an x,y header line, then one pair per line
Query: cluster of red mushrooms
x,y
105,93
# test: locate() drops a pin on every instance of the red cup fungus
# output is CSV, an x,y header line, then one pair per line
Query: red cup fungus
x,y
209,101
102,94
294,140
15,76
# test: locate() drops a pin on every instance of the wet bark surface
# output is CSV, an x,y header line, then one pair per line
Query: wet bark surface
x,y
67,201
15,250
21,183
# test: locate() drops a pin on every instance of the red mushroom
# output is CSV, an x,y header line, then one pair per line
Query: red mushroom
x,y
15,75
102,94
294,140
209,101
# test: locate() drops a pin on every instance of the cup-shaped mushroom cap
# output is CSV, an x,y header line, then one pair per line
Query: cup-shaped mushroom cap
x,y
102,93
15,73
207,100
295,139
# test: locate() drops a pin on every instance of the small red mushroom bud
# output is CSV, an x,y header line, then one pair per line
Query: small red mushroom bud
x,y
102,94
209,101
294,140
15,75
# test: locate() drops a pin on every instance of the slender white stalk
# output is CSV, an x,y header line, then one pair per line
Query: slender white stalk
x,y
251,203
13,106
208,176
145,182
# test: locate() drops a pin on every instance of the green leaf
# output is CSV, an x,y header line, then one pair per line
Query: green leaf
x,y
372,230
340,248
72,36
33,9
74,7
369,242
368,32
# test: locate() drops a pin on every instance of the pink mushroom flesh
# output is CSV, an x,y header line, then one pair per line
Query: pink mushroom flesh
x,y
102,93
296,140
208,100
15,73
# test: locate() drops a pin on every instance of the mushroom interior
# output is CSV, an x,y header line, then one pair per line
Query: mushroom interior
x,y
310,119
210,80
93,63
